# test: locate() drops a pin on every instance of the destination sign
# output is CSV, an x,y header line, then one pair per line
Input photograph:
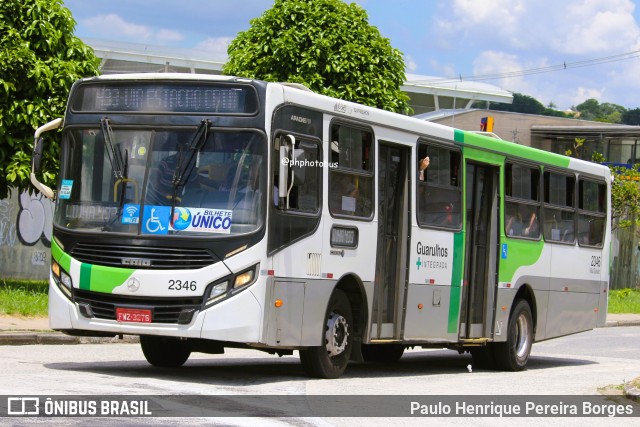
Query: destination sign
x,y
165,97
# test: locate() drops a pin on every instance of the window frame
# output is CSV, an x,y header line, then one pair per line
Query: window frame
x,y
344,171
536,204
595,214
457,189
563,208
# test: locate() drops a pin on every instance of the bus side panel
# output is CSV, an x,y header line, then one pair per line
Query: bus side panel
x,y
522,263
435,272
575,289
427,314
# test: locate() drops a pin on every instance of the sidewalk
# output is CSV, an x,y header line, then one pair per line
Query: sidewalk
x,y
35,330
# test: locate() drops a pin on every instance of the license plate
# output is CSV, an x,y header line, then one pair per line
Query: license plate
x,y
133,315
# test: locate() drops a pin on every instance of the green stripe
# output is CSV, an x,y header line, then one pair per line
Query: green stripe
x,y
85,276
458,135
456,279
61,258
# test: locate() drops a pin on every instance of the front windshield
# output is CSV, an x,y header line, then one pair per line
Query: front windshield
x,y
127,182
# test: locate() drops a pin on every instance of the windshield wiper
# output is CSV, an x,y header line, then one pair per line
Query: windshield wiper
x,y
119,165
185,168
113,152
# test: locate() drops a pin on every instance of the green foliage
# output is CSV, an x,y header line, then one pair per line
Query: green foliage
x,y
326,45
39,60
631,117
23,297
606,112
625,197
624,301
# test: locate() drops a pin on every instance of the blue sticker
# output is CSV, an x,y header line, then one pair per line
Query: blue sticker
x,y
131,214
65,189
156,219
504,251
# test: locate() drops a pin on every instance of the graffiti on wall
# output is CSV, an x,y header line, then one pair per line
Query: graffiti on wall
x,y
35,219
28,222
7,224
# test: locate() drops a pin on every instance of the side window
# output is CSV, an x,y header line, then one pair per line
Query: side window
x,y
559,207
522,201
304,176
439,196
351,172
592,212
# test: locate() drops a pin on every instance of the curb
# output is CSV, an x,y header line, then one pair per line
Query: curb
x,y
632,393
615,323
49,338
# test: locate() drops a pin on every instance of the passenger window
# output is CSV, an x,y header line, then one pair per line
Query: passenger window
x,y
559,207
351,172
305,177
592,212
522,201
439,196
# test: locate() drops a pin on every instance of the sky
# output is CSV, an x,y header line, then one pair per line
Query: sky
x,y
561,52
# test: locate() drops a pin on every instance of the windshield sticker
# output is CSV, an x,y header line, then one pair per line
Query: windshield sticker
x,y
65,189
131,214
156,219
202,220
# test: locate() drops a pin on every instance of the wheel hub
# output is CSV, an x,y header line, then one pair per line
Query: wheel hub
x,y
337,334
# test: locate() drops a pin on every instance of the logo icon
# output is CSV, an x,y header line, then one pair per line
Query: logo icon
x,y
131,214
133,284
23,406
181,219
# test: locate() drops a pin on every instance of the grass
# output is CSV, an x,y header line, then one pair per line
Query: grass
x,y
29,298
624,301
23,297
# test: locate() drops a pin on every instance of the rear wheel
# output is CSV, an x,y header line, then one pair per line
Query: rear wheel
x,y
165,352
330,360
379,353
513,354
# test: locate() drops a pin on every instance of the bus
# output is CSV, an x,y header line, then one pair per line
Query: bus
x,y
208,212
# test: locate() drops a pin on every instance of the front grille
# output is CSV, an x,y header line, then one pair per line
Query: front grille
x,y
155,257
164,310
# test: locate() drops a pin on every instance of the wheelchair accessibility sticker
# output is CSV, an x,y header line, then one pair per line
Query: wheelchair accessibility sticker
x,y
156,219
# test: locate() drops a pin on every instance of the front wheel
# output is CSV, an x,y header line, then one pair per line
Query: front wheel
x,y
165,352
330,359
513,354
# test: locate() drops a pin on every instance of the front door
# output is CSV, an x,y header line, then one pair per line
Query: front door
x,y
480,280
391,253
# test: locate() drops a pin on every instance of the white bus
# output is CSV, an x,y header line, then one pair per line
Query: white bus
x,y
203,212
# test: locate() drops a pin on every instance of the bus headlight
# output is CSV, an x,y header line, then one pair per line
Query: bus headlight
x,y
217,292
62,279
244,279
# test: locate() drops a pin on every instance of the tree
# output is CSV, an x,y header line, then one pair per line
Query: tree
x,y
326,45
631,117
39,60
606,112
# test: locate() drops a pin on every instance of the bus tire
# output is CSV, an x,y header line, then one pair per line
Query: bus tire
x,y
165,352
377,353
330,360
513,354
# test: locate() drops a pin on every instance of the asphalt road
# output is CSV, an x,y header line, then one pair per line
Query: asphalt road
x,y
576,365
